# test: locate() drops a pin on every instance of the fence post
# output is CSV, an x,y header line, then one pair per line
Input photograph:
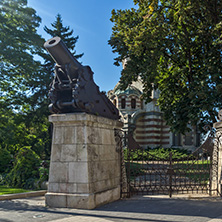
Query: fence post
x,y
170,175
215,177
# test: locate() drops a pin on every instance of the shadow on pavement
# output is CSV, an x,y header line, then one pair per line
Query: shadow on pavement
x,y
133,209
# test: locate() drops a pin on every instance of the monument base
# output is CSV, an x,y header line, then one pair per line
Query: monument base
x,y
82,201
85,163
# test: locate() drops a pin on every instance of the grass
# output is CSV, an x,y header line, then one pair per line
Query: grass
x,y
10,190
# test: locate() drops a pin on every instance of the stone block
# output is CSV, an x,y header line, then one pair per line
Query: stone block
x,y
63,188
97,186
80,137
102,170
78,172
102,185
108,152
97,171
82,154
93,152
106,136
71,187
58,172
110,169
107,196
83,188
116,193
103,197
53,187
69,134
68,153
117,181
81,201
56,152
57,135
92,173
93,136
55,199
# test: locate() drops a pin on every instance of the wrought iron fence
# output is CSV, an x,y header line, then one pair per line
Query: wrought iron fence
x,y
144,173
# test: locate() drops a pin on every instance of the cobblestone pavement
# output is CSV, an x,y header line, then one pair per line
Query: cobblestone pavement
x,y
140,208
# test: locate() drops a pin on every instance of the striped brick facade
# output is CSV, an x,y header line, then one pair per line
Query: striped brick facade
x,y
151,130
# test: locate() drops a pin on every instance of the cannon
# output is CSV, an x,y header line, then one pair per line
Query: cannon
x,y
73,88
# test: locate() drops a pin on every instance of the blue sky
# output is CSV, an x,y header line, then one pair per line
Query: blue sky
x,y
90,20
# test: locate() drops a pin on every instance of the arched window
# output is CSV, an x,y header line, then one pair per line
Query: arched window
x,y
133,103
176,139
123,103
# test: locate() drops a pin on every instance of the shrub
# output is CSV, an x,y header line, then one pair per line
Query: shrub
x,y
25,170
155,154
44,171
5,160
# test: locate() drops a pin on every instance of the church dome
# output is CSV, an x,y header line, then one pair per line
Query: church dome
x,y
130,90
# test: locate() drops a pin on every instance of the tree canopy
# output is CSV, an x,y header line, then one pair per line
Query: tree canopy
x,y
19,43
65,33
174,46
23,88
25,73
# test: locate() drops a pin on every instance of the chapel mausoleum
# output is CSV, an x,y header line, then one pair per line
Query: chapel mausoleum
x,y
150,127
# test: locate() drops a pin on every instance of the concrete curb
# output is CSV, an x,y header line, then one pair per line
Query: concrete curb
x,y
23,195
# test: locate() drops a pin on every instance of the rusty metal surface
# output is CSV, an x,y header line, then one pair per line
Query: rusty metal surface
x,y
73,88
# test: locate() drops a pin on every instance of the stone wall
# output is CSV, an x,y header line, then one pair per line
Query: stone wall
x,y
85,165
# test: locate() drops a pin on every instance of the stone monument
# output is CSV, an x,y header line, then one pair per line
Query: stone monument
x,y
85,164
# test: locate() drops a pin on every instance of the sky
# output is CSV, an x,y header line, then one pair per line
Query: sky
x,y
90,20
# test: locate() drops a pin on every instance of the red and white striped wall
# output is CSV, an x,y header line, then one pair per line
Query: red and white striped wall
x,y
151,130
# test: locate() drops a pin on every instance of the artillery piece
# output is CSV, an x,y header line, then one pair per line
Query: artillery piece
x,y
73,88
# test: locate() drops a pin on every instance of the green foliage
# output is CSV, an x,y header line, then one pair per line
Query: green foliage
x,y
5,160
24,81
65,33
174,46
23,93
25,171
19,42
155,154
44,171
17,130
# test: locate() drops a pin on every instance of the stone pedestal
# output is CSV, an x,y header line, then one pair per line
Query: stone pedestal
x,y
85,165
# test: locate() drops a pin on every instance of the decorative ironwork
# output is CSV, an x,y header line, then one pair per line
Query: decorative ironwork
x,y
73,88
119,138
149,174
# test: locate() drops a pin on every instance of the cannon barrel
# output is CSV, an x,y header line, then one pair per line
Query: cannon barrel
x,y
73,88
60,54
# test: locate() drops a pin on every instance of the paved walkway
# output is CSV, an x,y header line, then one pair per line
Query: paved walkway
x,y
143,208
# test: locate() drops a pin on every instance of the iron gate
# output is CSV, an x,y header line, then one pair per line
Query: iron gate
x,y
144,173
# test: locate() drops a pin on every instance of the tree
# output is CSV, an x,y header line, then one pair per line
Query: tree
x,y
174,46
64,32
24,82
19,43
